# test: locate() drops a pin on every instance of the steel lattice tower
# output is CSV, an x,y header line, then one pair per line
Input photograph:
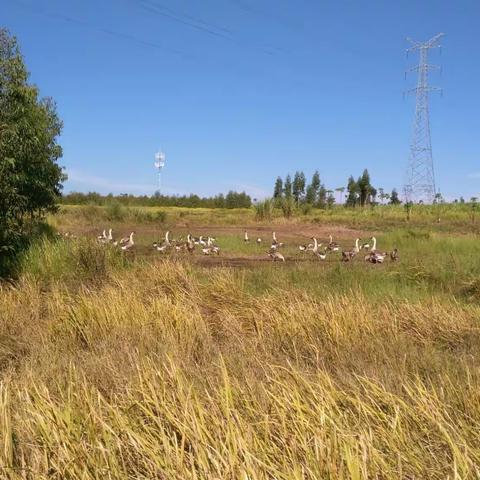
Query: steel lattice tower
x,y
420,177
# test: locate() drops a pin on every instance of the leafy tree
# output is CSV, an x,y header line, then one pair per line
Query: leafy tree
x,y
394,200
310,195
381,195
298,186
330,199
322,197
365,188
278,190
313,189
30,177
352,189
287,187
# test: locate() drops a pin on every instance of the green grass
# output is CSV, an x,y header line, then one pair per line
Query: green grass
x,y
454,218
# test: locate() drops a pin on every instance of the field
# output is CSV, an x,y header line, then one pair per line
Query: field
x,y
140,365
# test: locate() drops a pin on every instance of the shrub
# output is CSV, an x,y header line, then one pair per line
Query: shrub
x,y
287,205
264,209
115,211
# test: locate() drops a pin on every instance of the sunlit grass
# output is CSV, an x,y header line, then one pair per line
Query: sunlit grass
x,y
140,365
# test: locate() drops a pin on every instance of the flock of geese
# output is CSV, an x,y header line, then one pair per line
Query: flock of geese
x,y
208,246
373,256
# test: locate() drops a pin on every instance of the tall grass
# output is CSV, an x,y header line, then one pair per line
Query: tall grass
x,y
166,371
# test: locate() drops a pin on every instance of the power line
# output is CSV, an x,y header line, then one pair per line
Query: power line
x,y
125,36
210,29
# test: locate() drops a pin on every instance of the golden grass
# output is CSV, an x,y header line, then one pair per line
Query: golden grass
x,y
161,371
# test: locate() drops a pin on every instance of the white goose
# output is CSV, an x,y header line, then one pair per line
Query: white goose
x,y
245,237
276,256
348,255
332,246
102,237
130,243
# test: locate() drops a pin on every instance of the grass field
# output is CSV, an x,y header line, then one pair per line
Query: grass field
x,y
188,367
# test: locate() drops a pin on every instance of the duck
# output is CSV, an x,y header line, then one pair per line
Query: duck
x,y
129,243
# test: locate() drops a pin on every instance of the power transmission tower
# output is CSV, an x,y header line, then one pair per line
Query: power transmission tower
x,y
420,176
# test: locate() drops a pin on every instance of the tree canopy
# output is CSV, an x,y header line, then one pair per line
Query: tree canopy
x,y
30,177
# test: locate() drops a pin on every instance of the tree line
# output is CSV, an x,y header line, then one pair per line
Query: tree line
x,y
230,200
358,192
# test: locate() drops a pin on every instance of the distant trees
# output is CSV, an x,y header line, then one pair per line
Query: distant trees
x,y
287,187
314,194
230,200
30,177
278,189
394,200
298,186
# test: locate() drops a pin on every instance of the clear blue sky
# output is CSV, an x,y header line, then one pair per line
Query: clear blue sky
x,y
239,91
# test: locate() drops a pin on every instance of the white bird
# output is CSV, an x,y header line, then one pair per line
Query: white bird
x,y
332,246
130,243
321,256
103,236
348,255
167,240
276,256
245,237
259,240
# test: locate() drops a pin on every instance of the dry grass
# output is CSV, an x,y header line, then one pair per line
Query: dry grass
x,y
164,372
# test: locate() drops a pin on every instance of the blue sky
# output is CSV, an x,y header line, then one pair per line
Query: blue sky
x,y
237,92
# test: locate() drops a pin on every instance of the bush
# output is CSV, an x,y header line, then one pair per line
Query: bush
x,y
77,260
287,205
264,209
115,211
306,208
162,216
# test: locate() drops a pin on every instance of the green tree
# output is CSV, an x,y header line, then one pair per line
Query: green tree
x,y
352,189
394,199
278,189
287,187
322,197
330,199
312,189
365,188
30,175
298,187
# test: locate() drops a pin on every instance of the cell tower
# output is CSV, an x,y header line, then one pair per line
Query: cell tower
x,y
420,177
159,164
